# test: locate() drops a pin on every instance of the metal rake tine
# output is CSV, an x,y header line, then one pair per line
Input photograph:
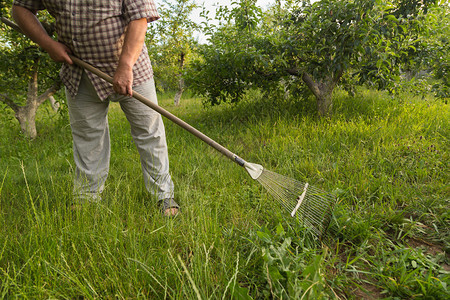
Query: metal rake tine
x,y
314,210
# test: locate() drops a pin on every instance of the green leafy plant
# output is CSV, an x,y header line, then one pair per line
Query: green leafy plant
x,y
314,45
293,271
410,273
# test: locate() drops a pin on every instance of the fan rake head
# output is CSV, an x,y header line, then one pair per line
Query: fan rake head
x,y
313,207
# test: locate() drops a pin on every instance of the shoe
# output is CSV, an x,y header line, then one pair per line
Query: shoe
x,y
169,207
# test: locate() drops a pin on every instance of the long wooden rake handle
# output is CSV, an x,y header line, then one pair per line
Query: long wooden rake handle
x,y
150,104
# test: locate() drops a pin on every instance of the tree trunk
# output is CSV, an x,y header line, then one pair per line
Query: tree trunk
x,y
323,91
325,103
55,105
26,115
180,91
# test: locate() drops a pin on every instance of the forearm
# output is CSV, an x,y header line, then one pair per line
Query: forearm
x,y
31,26
131,49
133,43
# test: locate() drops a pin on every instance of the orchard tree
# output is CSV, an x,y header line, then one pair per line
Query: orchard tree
x,y
170,43
28,76
436,54
313,44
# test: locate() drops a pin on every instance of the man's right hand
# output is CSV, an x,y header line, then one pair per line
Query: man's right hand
x,y
31,26
58,51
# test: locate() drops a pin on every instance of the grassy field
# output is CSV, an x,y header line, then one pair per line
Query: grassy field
x,y
387,161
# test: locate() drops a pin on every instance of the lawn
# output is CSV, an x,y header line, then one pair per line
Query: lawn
x,y
386,159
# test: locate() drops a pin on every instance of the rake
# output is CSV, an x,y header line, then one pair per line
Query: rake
x,y
311,206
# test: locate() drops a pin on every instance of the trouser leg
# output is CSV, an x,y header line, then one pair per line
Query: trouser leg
x,y
147,130
91,143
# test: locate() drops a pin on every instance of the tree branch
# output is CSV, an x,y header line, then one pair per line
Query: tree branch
x,y
49,92
8,101
313,86
11,24
295,72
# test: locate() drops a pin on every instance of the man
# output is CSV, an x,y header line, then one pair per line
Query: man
x,y
109,34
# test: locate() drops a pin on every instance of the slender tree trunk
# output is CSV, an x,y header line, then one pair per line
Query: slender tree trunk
x,y
180,91
26,115
323,91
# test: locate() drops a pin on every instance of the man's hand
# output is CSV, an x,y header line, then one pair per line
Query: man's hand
x,y
123,81
58,51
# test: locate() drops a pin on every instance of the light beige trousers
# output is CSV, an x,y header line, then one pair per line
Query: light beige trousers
x,y
91,140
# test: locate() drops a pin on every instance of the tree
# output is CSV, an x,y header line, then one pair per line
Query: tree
x,y
171,43
436,54
27,74
312,44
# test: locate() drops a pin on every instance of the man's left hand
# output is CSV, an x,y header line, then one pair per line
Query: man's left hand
x,y
123,81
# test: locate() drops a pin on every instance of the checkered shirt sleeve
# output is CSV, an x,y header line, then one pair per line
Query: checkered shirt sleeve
x,y
30,4
134,10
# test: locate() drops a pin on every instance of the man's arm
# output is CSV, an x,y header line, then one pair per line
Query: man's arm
x,y
31,26
132,47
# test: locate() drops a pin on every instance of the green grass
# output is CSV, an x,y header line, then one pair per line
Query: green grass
x,y
386,159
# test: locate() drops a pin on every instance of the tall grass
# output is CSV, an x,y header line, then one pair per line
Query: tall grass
x,y
385,158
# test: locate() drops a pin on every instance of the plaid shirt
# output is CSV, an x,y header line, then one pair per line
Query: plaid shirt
x,y
94,31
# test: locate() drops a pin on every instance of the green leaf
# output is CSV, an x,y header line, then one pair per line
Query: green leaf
x,y
241,293
280,229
